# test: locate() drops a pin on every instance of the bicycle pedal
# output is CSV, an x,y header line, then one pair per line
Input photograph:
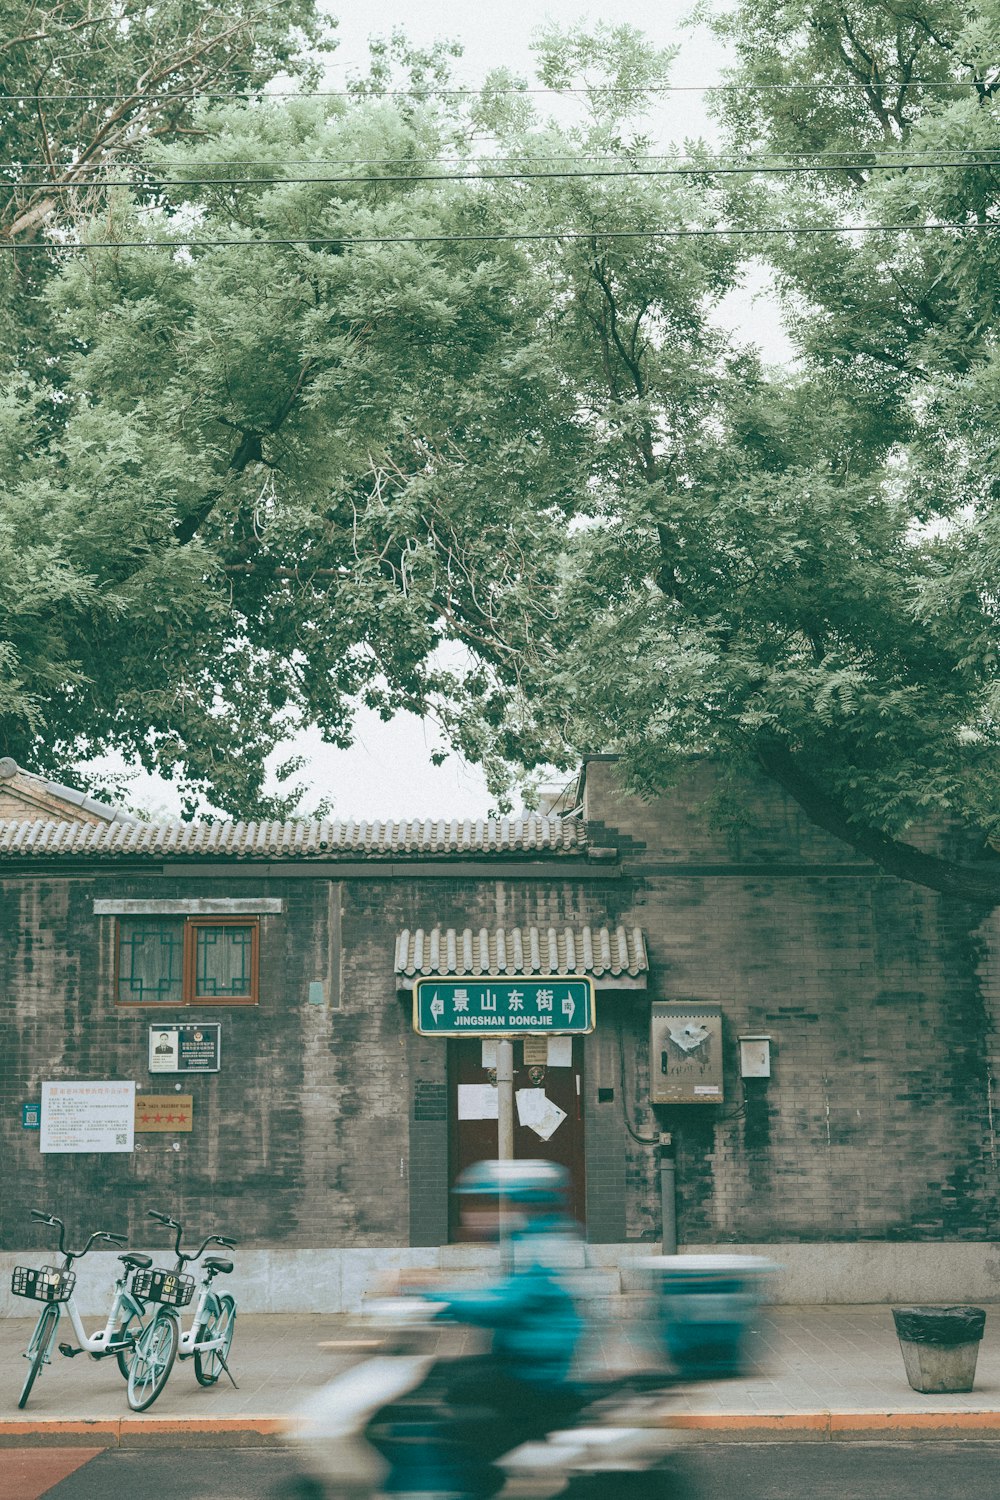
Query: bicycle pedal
x,y
69,1351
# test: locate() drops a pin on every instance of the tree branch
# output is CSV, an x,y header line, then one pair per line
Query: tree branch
x,y
965,882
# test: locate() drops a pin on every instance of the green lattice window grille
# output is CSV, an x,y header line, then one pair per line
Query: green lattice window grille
x,y
224,964
151,960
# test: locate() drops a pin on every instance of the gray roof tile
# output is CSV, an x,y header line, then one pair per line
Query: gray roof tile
x,y
532,836
600,951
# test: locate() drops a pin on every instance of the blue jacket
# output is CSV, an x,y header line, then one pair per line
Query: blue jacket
x,y
535,1322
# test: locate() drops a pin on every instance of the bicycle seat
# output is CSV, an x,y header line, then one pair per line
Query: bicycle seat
x,y
212,1264
139,1262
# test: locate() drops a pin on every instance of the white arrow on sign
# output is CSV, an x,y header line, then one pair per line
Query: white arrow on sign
x,y
437,1007
569,1007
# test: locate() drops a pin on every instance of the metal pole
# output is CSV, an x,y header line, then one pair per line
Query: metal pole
x,y
668,1201
505,1101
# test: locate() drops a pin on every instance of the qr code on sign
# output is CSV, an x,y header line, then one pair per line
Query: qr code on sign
x,y
121,1140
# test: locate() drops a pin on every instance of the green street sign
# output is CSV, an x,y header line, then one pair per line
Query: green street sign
x,y
463,1007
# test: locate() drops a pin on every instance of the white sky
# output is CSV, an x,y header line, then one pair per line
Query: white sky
x,y
387,773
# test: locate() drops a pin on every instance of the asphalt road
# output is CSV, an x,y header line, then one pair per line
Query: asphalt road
x,y
739,1471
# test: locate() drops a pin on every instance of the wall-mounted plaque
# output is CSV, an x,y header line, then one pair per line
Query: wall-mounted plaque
x,y
188,1048
164,1112
88,1115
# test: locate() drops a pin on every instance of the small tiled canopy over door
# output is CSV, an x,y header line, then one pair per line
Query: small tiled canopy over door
x,y
467,1131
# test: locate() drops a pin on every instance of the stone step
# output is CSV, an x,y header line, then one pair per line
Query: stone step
x,y
568,1253
589,1284
592,1284
635,1278
626,1307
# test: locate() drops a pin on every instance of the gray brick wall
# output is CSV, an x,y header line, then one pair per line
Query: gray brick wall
x,y
328,1125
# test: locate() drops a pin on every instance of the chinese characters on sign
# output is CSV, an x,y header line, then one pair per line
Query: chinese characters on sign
x,y
456,1007
88,1116
190,1048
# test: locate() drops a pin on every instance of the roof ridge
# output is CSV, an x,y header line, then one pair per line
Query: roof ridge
x,y
534,833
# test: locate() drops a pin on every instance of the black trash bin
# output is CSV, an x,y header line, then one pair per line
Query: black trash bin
x,y
940,1345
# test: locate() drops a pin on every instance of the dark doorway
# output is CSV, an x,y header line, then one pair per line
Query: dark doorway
x,y
475,1139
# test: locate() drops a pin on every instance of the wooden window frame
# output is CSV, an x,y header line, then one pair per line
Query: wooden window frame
x,y
192,926
189,964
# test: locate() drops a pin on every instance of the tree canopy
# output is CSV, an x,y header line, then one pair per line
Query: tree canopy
x,y
431,372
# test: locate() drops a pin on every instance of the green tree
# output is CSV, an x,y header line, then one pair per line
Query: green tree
x,y
280,477
85,84
277,479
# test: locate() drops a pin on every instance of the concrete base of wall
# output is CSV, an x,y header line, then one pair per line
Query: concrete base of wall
x,y
878,1271
334,1281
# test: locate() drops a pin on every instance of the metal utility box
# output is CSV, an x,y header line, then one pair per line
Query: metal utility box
x,y
685,1053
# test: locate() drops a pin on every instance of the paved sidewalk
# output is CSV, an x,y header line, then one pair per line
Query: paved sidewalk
x,y
824,1372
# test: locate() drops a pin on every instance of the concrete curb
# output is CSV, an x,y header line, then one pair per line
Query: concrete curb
x,y
154,1432
719,1427
834,1427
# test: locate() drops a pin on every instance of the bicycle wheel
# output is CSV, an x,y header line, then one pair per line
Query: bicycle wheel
x,y
38,1349
152,1361
131,1328
220,1324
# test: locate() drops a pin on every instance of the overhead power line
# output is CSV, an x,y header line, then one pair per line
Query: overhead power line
x,y
341,241
527,176
876,154
263,94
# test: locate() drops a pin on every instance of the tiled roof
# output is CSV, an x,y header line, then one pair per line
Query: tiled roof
x,y
600,951
531,836
15,780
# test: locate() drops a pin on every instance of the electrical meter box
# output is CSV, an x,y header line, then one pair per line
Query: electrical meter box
x,y
685,1053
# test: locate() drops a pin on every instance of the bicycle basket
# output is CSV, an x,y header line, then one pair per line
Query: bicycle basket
x,y
44,1283
170,1287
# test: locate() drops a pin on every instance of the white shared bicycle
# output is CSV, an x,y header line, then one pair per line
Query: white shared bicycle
x,y
53,1286
207,1341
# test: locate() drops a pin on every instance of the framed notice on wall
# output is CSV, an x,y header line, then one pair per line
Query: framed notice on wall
x,y
88,1115
190,1048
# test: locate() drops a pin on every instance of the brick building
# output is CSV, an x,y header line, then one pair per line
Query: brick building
x,y
866,1162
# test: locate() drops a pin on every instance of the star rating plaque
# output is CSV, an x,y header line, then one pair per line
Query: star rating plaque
x,y
164,1112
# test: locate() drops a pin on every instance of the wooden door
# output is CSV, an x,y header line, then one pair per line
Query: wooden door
x,y
475,1139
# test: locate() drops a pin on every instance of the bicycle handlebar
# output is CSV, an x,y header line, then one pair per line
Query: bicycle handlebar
x,y
71,1255
184,1256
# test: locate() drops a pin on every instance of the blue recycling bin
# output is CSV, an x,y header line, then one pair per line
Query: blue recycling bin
x,y
704,1306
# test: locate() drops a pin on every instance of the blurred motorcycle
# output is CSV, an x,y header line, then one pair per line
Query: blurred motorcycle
x,y
394,1424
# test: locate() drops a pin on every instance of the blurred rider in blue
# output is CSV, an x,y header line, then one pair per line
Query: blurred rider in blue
x,y
535,1322
524,1387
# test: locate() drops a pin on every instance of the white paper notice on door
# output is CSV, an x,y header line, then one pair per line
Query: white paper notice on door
x,y
477,1101
538,1113
560,1052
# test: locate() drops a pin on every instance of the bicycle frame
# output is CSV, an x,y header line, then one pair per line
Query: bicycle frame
x,y
125,1307
163,1339
208,1302
102,1342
